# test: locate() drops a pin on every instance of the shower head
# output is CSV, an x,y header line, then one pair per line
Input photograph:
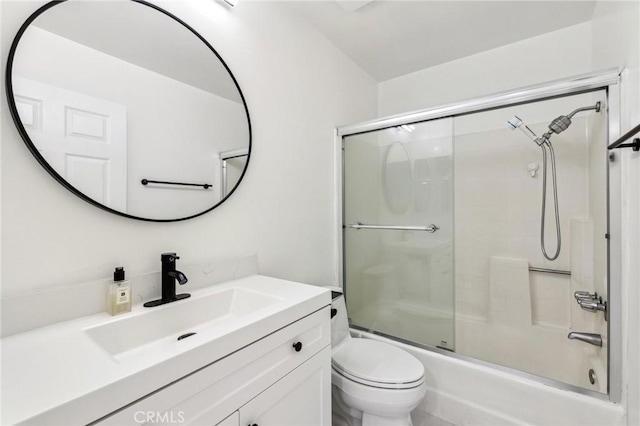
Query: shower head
x,y
560,124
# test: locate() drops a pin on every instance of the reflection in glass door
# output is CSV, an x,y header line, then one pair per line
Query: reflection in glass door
x,y
398,234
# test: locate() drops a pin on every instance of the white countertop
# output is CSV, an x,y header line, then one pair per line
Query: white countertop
x,y
60,375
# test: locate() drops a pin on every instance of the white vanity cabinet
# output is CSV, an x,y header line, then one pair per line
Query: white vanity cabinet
x,y
299,398
302,397
281,379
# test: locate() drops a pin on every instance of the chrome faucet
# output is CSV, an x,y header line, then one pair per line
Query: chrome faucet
x,y
591,338
169,277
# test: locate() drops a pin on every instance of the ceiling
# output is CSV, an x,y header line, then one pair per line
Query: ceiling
x,y
386,38
390,38
139,35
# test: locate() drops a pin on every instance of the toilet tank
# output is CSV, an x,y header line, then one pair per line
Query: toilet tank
x,y
339,320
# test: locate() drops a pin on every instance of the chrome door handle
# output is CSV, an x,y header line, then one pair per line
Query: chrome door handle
x,y
428,228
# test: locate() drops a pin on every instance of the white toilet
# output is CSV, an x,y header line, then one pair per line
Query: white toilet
x,y
373,383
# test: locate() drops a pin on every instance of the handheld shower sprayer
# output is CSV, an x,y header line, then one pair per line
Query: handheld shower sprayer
x,y
517,123
558,125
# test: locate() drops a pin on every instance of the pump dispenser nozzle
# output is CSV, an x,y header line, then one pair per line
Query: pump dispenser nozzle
x,y
118,274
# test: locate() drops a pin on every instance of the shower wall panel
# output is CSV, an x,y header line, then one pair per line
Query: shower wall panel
x,y
506,314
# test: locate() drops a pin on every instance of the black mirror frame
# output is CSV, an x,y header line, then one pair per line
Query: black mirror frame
x,y
34,151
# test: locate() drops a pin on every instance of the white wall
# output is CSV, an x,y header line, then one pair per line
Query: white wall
x,y
551,56
298,89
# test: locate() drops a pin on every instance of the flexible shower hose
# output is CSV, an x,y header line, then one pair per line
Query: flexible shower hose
x,y
544,199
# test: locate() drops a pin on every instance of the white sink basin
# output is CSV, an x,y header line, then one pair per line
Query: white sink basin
x,y
161,326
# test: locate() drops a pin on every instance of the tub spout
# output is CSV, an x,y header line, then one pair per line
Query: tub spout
x,y
591,338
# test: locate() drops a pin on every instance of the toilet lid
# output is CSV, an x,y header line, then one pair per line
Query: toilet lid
x,y
377,363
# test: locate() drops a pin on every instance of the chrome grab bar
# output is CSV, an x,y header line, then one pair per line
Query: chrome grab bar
x,y
549,271
429,228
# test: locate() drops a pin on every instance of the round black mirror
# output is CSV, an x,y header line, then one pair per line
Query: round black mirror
x,y
129,108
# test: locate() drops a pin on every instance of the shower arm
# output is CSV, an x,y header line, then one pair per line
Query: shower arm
x,y
595,107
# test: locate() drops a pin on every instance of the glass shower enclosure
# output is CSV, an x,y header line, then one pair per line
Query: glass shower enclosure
x,y
398,213
443,234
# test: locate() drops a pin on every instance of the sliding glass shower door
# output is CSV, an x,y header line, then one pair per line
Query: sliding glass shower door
x,y
398,232
514,305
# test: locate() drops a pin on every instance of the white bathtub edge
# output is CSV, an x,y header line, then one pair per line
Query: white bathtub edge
x,y
464,393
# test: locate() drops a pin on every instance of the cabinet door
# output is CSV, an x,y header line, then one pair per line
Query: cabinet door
x,y
301,398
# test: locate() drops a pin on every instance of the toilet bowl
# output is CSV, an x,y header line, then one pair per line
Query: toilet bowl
x,y
373,383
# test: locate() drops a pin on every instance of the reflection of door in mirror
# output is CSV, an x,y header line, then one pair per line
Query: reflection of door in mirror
x,y
181,107
83,137
232,166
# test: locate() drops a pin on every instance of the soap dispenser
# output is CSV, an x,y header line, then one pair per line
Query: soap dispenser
x,y
119,295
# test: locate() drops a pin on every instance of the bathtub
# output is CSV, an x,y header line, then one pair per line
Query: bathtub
x,y
470,393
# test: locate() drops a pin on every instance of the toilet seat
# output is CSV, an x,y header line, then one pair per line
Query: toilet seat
x,y
377,364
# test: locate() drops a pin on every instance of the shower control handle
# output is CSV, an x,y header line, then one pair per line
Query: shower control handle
x,y
593,305
584,295
591,302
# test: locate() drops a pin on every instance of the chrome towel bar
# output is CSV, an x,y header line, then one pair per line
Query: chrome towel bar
x,y
549,271
428,228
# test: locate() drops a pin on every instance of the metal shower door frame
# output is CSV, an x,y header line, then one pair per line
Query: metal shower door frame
x,y
608,80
